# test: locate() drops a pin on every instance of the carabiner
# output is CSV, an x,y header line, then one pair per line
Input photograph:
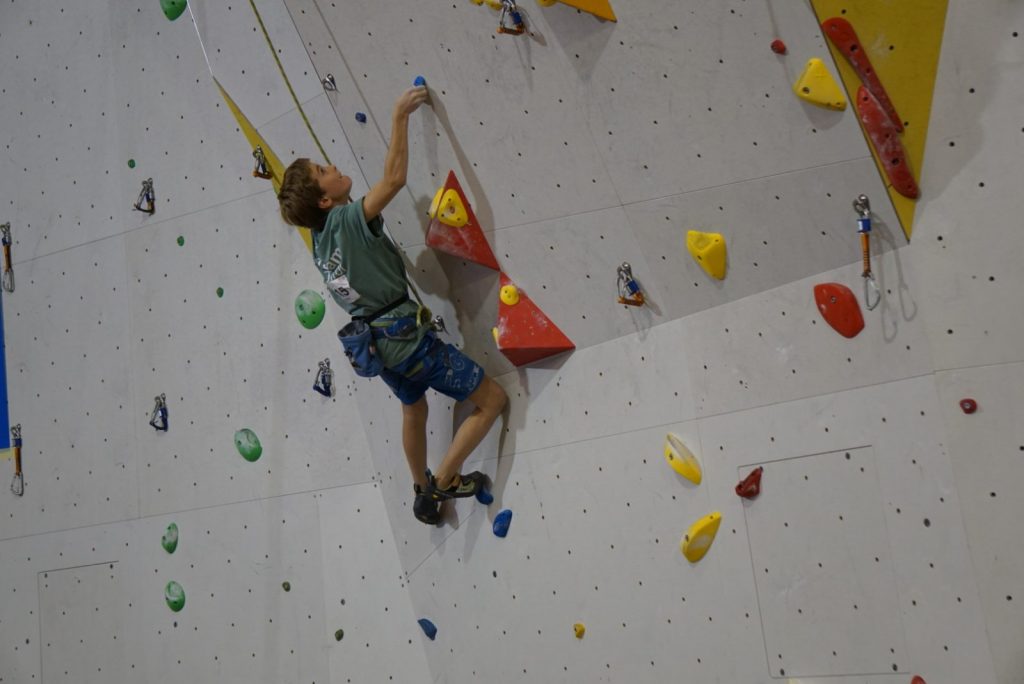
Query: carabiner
x,y
511,10
158,418
862,205
146,195
325,379
18,483
629,289
261,170
8,278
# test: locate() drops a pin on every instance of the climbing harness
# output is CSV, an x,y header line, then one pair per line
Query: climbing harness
x,y
146,195
325,379
158,418
8,280
261,170
329,83
863,208
18,483
629,290
510,11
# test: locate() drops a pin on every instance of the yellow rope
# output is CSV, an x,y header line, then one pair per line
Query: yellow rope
x,y
288,83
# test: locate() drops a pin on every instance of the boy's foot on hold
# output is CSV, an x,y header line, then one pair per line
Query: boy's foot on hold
x,y
425,508
464,486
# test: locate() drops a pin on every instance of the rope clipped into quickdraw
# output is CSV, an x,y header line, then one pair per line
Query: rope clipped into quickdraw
x,y
158,418
325,379
261,170
863,208
8,279
18,483
629,290
146,195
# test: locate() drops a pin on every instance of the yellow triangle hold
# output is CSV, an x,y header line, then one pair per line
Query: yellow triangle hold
x,y
903,40
681,459
709,251
448,208
599,8
696,542
817,86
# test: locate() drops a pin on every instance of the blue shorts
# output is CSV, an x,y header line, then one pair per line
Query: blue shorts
x,y
434,365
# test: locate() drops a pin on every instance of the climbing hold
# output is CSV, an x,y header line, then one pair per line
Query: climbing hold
x,y
448,208
360,117
494,332
778,47
484,497
839,307
339,635
817,86
466,240
173,8
248,445
682,459
709,251
131,163
510,295
601,9
542,3
968,406
419,81
170,539
886,142
181,241
175,596
917,680
501,523
750,486
309,307
697,541
842,35
220,291
525,334
580,629
287,586
428,628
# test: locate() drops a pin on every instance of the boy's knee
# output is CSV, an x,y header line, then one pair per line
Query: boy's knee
x,y
497,399
417,411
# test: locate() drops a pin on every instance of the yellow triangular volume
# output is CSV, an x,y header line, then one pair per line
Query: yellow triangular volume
x,y
903,41
599,8
681,459
698,540
817,86
448,208
709,251
274,164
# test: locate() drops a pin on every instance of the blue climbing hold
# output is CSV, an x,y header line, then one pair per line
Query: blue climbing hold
x,y
419,81
428,628
484,497
360,117
501,523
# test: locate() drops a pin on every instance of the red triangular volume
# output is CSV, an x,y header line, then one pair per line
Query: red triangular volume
x,y
467,242
524,333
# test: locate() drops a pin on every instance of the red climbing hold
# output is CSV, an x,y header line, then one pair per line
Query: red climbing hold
x,y
838,306
969,406
778,47
466,242
841,33
917,680
750,487
524,333
887,144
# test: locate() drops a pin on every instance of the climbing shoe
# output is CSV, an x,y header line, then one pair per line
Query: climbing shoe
x,y
468,485
425,508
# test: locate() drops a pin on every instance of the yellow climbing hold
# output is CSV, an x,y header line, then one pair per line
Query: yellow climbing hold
x,y
579,629
546,3
494,331
510,295
817,86
709,251
682,459
448,208
697,541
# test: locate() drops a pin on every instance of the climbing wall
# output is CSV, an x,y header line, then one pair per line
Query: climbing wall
x,y
882,543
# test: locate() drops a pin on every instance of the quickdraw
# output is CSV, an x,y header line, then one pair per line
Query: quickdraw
x,y
261,170
8,279
158,418
146,195
18,483
629,290
329,83
510,11
863,208
325,379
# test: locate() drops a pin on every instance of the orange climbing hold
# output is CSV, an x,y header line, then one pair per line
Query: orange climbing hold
x,y
524,334
445,234
599,8
838,306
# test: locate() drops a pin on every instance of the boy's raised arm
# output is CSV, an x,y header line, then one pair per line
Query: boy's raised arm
x,y
397,161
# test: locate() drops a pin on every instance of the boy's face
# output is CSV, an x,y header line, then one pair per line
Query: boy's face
x,y
335,186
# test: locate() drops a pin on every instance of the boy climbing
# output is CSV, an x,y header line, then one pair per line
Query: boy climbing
x,y
365,275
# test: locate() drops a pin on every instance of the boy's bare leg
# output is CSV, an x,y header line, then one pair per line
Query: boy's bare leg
x,y
490,400
414,439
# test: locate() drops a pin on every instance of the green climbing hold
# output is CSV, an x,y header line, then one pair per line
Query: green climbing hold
x,y
170,538
131,163
309,307
173,8
220,291
248,445
339,635
181,240
175,596
287,586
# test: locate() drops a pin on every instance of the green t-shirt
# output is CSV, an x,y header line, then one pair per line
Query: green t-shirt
x,y
364,273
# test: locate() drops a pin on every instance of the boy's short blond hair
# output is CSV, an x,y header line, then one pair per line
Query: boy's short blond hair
x,y
300,197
